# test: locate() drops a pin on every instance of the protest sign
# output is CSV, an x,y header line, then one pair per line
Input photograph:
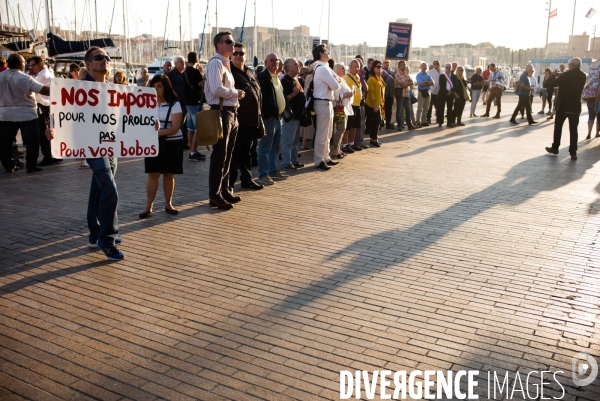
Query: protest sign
x,y
398,41
94,119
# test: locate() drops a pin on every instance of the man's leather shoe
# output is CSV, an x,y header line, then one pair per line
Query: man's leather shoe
x,y
331,163
513,122
496,116
291,166
46,161
485,115
532,122
253,185
573,157
552,150
220,203
323,166
229,197
56,161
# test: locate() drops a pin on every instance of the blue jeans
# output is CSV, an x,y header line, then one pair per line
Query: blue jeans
x,y
268,149
290,138
191,117
102,204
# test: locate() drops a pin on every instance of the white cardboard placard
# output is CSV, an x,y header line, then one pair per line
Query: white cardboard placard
x,y
94,119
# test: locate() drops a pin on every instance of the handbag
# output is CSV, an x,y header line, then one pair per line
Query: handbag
x,y
424,93
306,120
162,140
209,124
413,99
338,112
261,131
287,114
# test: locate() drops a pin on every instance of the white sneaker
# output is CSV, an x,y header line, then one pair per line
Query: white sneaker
x,y
266,180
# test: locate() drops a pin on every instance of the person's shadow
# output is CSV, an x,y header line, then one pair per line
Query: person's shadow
x,y
523,182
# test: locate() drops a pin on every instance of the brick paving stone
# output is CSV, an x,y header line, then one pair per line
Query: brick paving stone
x,y
443,249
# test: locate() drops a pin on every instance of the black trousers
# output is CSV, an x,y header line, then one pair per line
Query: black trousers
x,y
29,133
524,103
432,103
522,109
43,121
389,104
443,102
375,120
220,158
459,106
560,118
242,157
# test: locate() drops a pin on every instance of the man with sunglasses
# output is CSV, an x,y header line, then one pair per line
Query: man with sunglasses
x,y
104,198
445,97
219,86
248,120
18,111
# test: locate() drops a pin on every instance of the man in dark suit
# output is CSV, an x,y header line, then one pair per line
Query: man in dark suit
x,y
248,119
445,97
568,104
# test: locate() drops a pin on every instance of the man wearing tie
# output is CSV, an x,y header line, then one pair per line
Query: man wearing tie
x,y
445,96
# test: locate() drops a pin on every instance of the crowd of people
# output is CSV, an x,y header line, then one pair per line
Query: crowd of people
x,y
265,113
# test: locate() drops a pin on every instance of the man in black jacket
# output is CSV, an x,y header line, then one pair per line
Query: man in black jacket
x,y
248,119
290,132
568,104
273,105
445,97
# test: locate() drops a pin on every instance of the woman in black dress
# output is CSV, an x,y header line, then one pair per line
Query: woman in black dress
x,y
461,91
170,150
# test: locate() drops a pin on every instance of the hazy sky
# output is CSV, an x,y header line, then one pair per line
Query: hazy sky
x,y
435,22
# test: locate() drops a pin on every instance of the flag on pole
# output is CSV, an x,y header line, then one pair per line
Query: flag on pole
x,y
590,13
552,13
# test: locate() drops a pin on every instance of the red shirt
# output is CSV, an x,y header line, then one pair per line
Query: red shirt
x,y
3,68
486,75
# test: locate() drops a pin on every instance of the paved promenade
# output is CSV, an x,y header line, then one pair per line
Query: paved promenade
x,y
445,249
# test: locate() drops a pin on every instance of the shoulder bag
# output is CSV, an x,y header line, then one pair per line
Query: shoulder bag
x,y
209,124
162,140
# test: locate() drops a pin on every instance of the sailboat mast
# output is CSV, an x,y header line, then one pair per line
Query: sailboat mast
x,y
165,33
217,15
180,35
255,36
75,20
125,37
191,36
96,10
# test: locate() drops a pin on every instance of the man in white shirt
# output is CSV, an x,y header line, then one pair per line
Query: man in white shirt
x,y
435,75
324,85
215,91
18,111
43,76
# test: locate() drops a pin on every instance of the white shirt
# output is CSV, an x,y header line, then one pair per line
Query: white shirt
x,y
346,102
324,82
161,115
435,76
498,76
17,102
44,77
213,85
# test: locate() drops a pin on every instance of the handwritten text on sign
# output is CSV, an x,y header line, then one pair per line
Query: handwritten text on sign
x,y
93,119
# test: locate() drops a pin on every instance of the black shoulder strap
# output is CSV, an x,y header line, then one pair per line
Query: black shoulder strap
x,y
357,84
168,115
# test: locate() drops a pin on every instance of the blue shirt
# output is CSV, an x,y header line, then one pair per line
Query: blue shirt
x,y
524,79
422,77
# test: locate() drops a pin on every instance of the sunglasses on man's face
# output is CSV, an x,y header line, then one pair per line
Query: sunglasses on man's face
x,y
239,53
228,41
100,57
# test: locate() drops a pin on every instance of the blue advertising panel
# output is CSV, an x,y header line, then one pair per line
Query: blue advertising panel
x,y
398,41
316,42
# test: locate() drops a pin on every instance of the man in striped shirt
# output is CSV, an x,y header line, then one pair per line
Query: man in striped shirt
x,y
217,71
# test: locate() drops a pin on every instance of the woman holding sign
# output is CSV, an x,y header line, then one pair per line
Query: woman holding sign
x,y
170,149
